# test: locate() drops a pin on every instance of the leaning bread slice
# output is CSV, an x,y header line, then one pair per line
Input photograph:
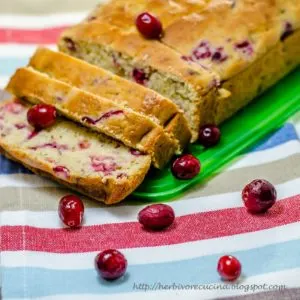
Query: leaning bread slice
x,y
100,114
101,82
90,163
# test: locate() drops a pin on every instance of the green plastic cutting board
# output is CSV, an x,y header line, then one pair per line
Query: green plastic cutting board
x,y
244,130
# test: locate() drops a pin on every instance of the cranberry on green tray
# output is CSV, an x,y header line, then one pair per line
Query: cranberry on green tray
x,y
186,167
209,135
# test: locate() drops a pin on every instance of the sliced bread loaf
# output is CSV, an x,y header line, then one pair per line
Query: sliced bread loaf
x,y
98,113
98,81
90,163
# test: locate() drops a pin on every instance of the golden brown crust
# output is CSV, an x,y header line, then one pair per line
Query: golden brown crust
x,y
178,128
262,74
108,190
133,129
104,83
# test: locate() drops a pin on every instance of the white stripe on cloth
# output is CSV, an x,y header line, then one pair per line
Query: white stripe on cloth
x,y
39,22
267,155
3,81
159,254
296,122
109,215
25,180
24,51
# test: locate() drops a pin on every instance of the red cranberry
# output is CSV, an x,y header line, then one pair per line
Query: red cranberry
x,y
209,135
62,171
20,126
103,117
111,264
14,107
85,144
70,44
219,55
288,30
88,120
259,196
111,113
33,134
53,145
41,116
229,267
186,167
245,47
156,216
71,210
107,166
149,26
139,76
203,51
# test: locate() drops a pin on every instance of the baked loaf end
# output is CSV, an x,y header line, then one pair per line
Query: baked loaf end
x,y
98,81
147,62
100,114
90,163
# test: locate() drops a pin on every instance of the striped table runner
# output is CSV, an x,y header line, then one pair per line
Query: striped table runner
x,y
41,260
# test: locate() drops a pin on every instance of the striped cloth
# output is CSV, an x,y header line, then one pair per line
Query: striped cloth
x,y
41,260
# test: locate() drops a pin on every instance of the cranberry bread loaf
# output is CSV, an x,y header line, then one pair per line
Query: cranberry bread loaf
x,y
104,83
100,114
150,63
87,162
250,44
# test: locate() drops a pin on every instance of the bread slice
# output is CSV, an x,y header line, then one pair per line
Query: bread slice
x,y
104,83
98,113
191,87
87,162
249,44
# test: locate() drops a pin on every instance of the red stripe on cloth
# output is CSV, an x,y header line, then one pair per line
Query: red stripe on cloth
x,y
26,36
188,228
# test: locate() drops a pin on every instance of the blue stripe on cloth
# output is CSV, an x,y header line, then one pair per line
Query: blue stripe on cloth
x,y
9,65
11,167
46,282
283,135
